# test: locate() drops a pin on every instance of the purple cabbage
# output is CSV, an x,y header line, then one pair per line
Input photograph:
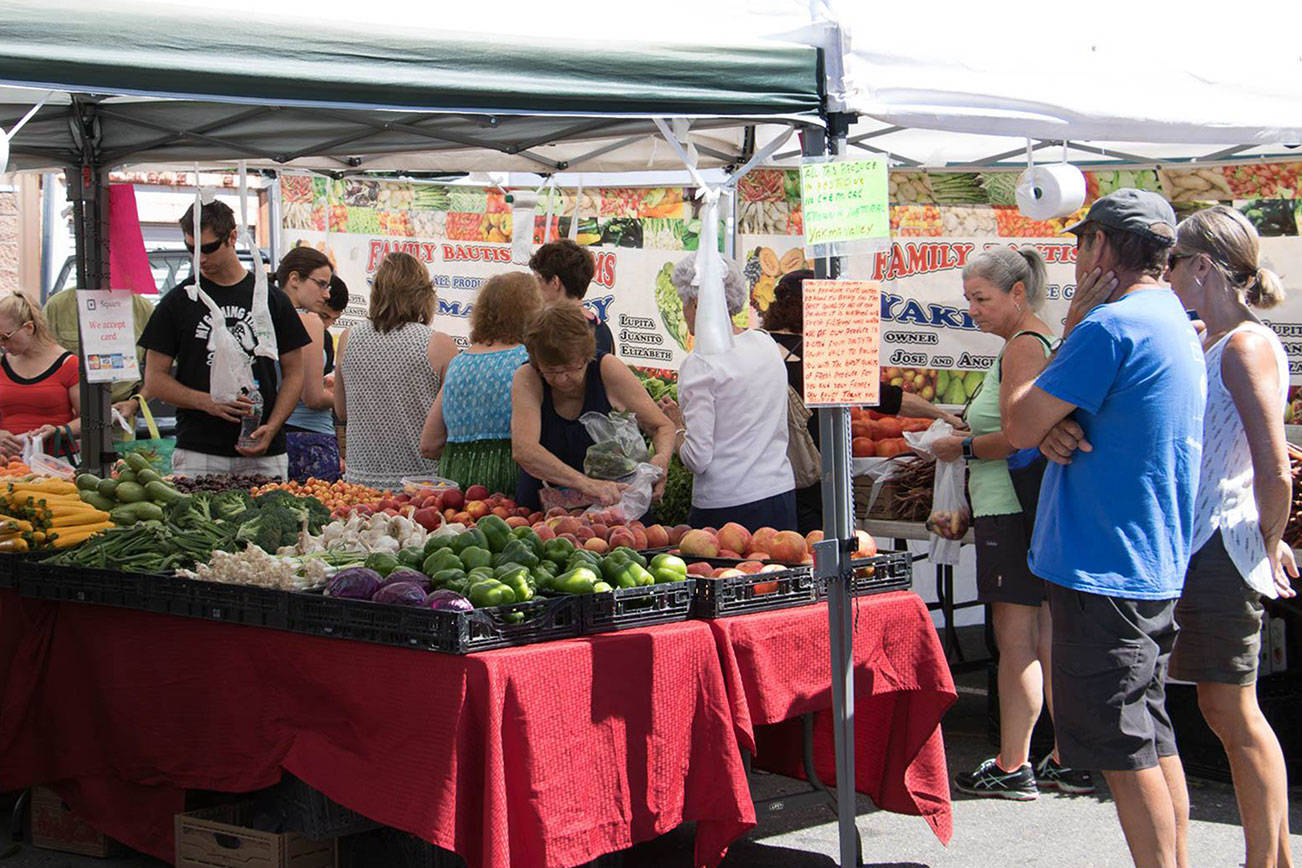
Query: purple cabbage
x,y
448,601
406,574
355,583
400,594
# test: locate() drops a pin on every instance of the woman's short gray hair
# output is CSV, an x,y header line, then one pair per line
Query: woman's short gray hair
x,y
734,285
1003,267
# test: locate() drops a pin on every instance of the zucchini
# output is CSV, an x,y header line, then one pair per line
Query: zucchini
x,y
124,514
87,481
160,492
138,462
146,476
99,501
107,487
146,511
130,492
127,475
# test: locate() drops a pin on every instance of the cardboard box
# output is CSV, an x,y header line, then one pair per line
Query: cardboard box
x,y
218,838
55,827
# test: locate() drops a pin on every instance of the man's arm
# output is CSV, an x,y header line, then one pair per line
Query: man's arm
x,y
1032,413
287,395
160,384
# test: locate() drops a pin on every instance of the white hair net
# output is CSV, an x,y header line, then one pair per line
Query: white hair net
x,y
734,285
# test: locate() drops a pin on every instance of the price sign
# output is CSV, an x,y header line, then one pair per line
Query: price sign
x,y
842,338
844,200
108,335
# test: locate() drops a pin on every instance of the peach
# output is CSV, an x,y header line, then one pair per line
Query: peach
x,y
568,524
699,544
867,545
477,492
621,536
569,536
729,553
557,512
636,525
711,530
788,547
677,533
535,517
517,521
757,556
772,568
476,508
699,568
584,533
506,502
735,537
640,540
501,512
727,572
596,544
657,537
601,530
750,567
463,518
814,536
449,513
544,531
523,511
762,540
453,498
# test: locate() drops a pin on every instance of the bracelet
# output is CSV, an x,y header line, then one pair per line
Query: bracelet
x,y
682,431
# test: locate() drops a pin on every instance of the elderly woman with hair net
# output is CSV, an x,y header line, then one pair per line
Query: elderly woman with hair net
x,y
732,425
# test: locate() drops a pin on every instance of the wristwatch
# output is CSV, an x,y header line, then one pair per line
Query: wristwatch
x,y
968,452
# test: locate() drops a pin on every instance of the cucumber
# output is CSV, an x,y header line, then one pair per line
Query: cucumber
x,y
123,514
99,501
87,481
130,492
146,511
146,476
160,492
138,462
127,475
107,487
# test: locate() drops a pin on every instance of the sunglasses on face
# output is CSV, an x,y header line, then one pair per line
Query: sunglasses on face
x,y
1173,258
206,249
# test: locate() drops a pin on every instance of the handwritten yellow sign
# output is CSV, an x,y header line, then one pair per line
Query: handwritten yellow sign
x,y
843,321
844,200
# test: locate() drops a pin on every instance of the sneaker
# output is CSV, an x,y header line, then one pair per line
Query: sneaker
x,y
1066,780
992,781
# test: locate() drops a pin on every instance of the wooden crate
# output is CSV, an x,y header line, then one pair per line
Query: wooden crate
x,y
882,508
56,827
217,838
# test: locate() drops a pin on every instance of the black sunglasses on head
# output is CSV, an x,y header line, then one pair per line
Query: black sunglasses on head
x,y
206,249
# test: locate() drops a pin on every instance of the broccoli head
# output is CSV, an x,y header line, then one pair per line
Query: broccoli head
x,y
270,528
190,511
309,509
230,504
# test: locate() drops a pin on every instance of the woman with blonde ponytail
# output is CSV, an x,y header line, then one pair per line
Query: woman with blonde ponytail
x,y
40,383
1244,494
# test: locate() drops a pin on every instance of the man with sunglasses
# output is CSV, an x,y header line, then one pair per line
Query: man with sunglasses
x,y
178,362
1115,520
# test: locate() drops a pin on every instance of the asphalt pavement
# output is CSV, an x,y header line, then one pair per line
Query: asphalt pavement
x,y
1053,831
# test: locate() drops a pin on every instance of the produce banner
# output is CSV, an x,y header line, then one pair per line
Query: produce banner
x,y
463,236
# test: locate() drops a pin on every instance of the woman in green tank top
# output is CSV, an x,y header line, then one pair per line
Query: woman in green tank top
x,y
1004,289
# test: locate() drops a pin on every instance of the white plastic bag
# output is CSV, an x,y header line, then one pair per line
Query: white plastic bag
x,y
951,516
42,464
636,498
231,374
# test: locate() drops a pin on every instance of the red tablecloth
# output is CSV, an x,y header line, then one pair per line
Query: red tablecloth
x,y
547,755
778,666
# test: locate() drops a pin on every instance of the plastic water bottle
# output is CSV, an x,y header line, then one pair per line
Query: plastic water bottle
x,y
253,421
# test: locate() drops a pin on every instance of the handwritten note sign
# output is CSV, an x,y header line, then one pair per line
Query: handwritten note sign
x,y
842,335
845,200
108,335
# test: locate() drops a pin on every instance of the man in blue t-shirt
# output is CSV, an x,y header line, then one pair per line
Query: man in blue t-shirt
x,y
1114,524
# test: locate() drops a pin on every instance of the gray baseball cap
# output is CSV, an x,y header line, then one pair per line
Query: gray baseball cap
x,y
1131,210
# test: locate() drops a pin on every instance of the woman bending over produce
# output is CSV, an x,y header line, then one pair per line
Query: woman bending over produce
x,y
305,276
390,368
40,384
732,427
469,427
564,379
1244,494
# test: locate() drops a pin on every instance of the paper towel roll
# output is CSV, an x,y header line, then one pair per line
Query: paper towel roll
x,y
1045,192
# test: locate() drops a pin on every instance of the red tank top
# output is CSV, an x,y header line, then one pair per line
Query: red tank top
x,y
30,402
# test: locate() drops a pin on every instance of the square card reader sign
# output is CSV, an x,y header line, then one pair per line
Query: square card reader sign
x,y
108,335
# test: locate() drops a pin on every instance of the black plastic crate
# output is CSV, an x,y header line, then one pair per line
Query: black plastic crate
x,y
46,581
312,814
753,592
217,601
13,562
642,606
885,571
540,619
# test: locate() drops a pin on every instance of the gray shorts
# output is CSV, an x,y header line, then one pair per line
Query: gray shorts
x,y
1109,672
1002,573
1220,621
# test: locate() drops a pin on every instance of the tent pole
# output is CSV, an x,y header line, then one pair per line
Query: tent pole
x,y
88,191
833,558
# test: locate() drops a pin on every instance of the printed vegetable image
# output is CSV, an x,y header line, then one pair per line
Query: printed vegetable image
x,y
670,306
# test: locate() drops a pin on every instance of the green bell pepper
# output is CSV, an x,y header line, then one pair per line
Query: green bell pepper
x,y
558,550
577,581
479,574
601,588
412,556
472,537
631,555
476,556
496,530
619,572
490,593
442,578
441,559
671,563
518,581
434,543
520,553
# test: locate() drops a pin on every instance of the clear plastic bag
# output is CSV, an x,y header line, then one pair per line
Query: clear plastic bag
x,y
951,516
617,445
34,456
636,498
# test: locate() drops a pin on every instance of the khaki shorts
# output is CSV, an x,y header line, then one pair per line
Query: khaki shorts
x,y
1220,621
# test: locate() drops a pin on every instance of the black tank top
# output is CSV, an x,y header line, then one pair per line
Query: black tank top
x,y
567,439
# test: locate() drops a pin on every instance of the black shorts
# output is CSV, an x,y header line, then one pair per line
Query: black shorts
x,y
1220,621
1109,679
1002,573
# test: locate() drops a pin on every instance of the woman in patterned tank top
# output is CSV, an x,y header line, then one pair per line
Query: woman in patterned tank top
x,y
1244,496
389,370
469,427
